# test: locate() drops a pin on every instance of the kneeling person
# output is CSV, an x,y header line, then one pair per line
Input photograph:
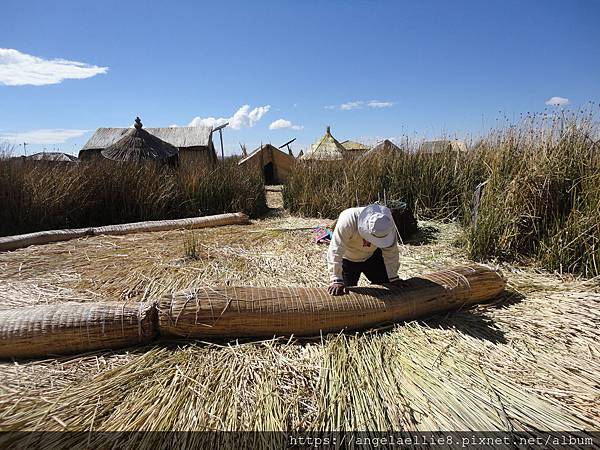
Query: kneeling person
x,y
364,241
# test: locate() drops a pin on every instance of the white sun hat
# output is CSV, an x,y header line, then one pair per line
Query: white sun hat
x,y
376,225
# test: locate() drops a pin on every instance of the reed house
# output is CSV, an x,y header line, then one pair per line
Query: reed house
x,y
275,164
195,144
327,148
384,149
443,145
355,149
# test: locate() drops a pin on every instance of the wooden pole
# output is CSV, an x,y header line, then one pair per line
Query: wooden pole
x,y
221,137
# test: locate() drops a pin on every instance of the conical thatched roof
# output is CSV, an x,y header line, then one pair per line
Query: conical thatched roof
x,y
52,156
384,148
443,145
353,146
139,145
325,149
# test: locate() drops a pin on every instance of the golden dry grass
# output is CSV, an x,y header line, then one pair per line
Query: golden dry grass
x,y
530,361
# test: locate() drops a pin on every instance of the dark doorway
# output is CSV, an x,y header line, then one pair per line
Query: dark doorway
x,y
268,173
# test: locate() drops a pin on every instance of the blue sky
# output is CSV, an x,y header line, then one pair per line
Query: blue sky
x,y
370,69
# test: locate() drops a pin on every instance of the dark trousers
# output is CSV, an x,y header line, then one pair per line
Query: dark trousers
x,y
373,268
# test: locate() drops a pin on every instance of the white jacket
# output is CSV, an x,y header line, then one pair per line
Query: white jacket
x,y
346,243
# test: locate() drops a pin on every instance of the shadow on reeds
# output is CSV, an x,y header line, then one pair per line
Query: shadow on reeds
x,y
508,298
475,322
425,235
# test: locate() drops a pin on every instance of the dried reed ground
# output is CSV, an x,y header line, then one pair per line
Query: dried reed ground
x,y
529,362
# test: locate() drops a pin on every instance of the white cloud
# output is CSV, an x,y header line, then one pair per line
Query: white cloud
x,y
351,105
359,104
242,118
378,104
207,122
282,123
43,136
557,101
18,69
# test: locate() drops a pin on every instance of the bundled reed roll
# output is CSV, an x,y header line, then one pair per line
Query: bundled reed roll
x,y
75,328
46,237
265,312
165,225
42,237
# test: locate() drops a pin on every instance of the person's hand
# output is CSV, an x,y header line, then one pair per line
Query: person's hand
x,y
337,288
402,284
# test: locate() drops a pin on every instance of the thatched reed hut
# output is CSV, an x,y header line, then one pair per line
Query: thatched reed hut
x,y
275,164
384,149
137,145
442,146
327,148
193,143
50,157
355,149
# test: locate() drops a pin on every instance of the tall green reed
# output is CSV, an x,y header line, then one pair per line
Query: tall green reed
x,y
40,195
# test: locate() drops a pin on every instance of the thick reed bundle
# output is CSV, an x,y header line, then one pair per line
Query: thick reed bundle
x,y
42,237
165,225
46,237
264,312
74,328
